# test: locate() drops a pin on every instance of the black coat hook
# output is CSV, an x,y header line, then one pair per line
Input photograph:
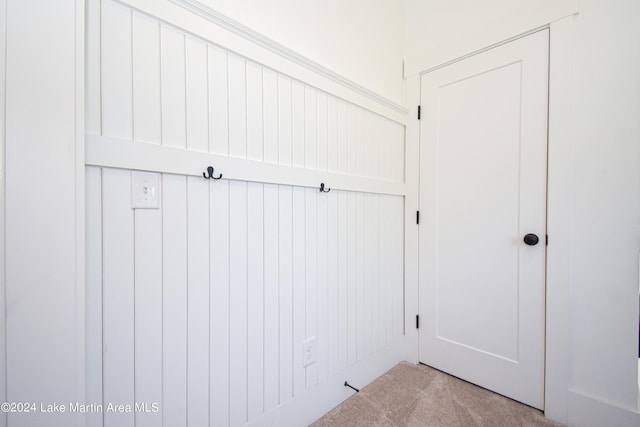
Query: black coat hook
x,y
322,189
210,173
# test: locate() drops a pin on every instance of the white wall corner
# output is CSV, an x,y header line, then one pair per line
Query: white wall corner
x,y
80,350
44,212
559,218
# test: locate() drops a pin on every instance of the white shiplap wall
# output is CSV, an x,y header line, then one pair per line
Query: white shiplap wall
x,y
203,304
156,84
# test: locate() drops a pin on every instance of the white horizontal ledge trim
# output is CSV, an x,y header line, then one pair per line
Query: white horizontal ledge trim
x,y
118,153
277,48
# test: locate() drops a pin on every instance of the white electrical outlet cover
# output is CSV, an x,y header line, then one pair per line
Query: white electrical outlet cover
x,y
308,352
145,190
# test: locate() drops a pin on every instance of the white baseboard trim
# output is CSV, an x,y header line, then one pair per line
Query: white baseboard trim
x,y
317,401
587,411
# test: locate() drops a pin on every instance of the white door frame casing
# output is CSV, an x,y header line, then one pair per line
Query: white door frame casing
x,y
559,213
3,361
66,315
558,218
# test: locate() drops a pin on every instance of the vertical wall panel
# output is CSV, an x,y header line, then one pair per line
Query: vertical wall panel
x,y
367,157
270,106
359,139
172,73
392,285
116,94
92,107
332,135
238,303
148,313
196,75
383,152
322,286
322,131
343,148
310,124
385,275
332,282
219,302
352,132
371,277
146,79
379,302
197,301
218,101
392,150
388,147
369,264
299,297
285,103
237,107
398,265
93,292
285,304
174,300
352,303
257,340
255,139
118,295
399,143
360,286
311,279
298,119
343,281
271,298
377,163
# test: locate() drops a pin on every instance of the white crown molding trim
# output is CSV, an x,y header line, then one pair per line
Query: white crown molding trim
x,y
247,33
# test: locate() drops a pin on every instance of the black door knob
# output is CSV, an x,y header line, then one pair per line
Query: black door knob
x,y
531,239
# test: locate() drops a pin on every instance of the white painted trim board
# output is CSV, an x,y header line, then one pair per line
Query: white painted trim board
x,y
123,154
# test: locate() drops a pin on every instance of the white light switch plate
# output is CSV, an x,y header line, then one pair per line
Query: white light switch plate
x,y
145,190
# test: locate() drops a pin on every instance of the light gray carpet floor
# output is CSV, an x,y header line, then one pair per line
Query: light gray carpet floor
x,y
411,395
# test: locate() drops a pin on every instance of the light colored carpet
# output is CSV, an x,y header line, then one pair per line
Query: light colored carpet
x,y
417,395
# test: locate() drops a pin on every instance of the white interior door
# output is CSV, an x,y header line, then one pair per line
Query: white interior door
x,y
482,190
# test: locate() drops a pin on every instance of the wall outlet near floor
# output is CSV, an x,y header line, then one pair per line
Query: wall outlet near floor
x,y
308,351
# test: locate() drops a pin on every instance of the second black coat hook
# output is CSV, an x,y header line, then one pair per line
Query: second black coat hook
x,y
210,174
322,189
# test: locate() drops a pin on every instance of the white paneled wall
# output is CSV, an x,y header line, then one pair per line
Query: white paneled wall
x,y
206,301
163,86
202,305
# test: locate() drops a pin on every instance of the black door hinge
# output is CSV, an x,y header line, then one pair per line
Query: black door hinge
x,y
417,321
546,240
417,217
418,112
